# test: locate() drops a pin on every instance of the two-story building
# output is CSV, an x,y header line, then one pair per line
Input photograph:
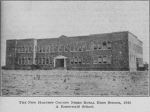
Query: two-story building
x,y
110,51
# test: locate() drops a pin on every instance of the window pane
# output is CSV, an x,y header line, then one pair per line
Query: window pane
x,y
40,48
66,48
25,61
22,60
88,46
55,48
47,61
109,59
79,60
40,60
104,59
72,48
80,47
109,45
23,49
43,61
75,60
59,49
104,45
100,59
76,47
47,48
29,61
71,60
84,47
50,60
19,61
99,45
27,49
83,60
44,48
95,46
52,48
95,59
18,49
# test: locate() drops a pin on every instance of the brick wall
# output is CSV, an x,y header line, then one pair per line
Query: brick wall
x,y
63,82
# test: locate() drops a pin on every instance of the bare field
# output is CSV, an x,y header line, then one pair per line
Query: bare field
x,y
74,83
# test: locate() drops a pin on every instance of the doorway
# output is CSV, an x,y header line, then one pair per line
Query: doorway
x,y
59,62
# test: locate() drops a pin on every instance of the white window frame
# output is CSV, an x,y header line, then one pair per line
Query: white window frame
x,y
100,56
100,44
110,43
103,45
80,60
94,59
106,59
71,60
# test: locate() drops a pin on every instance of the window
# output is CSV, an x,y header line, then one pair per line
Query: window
x,y
59,49
99,45
84,47
55,48
23,49
47,48
72,47
26,48
104,59
22,60
76,47
71,60
75,60
79,60
109,45
29,61
19,61
62,48
88,46
43,61
80,47
83,60
40,61
50,60
95,46
40,48
44,48
95,59
104,45
109,59
47,61
66,48
100,59
25,60
52,48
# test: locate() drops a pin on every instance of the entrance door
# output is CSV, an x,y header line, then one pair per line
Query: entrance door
x,y
59,62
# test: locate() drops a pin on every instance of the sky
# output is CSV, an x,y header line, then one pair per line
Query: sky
x,y
50,19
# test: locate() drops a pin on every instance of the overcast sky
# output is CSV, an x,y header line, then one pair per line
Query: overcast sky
x,y
43,19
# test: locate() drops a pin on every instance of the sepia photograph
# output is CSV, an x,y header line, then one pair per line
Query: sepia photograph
x,y
76,48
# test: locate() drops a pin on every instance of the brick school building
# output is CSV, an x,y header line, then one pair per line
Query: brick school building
x,y
117,51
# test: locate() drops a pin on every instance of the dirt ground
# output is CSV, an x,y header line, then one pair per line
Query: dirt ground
x,y
74,83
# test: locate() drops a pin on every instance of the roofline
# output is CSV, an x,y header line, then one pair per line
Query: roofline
x,y
23,39
80,36
135,36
